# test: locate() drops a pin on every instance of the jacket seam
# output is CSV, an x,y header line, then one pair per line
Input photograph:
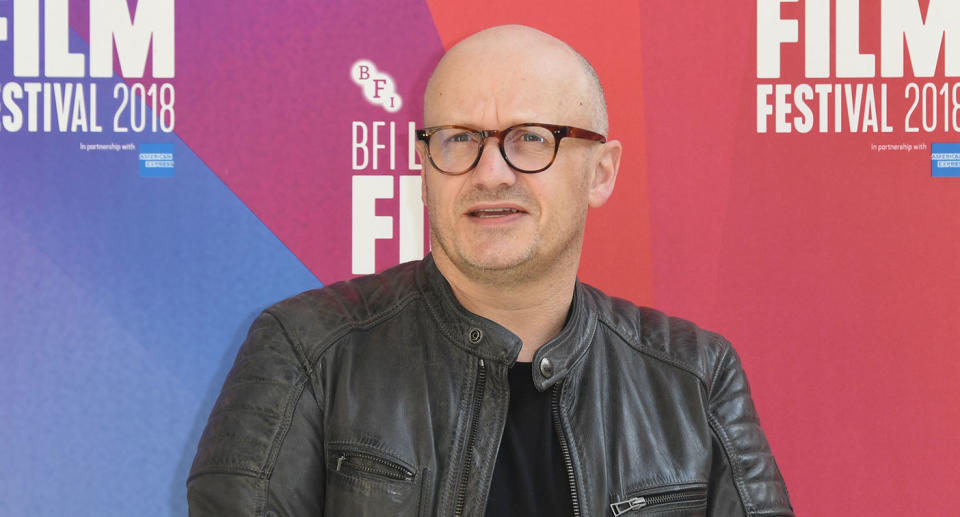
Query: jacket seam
x,y
444,329
733,459
587,345
290,407
294,344
458,440
342,330
716,370
421,500
646,349
223,470
290,404
250,408
278,443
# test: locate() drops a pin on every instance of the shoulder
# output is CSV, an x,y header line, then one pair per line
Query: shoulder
x,y
319,316
676,341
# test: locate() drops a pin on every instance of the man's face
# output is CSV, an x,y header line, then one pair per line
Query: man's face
x,y
496,222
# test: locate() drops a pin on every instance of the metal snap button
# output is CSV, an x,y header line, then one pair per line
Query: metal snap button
x,y
546,367
475,335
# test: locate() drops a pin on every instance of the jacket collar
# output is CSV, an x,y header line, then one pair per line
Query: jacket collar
x,y
493,342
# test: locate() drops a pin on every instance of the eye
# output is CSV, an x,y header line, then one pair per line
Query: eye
x,y
462,137
532,138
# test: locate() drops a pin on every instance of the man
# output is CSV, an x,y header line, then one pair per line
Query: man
x,y
486,379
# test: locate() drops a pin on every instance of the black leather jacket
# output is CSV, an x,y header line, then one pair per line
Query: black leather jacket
x,y
383,396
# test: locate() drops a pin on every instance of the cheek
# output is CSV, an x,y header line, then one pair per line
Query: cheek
x,y
440,194
564,200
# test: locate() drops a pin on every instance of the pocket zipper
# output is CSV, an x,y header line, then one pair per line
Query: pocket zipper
x,y
677,496
374,465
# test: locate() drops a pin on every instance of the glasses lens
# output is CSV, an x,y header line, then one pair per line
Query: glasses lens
x,y
529,148
454,150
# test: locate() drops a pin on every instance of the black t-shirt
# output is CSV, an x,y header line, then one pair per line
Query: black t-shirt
x,y
530,478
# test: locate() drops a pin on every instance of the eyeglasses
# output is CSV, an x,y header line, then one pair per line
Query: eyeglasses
x,y
529,147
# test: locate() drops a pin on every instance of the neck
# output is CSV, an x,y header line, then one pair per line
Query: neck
x,y
534,309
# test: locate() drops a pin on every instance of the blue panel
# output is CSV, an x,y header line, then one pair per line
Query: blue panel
x,y
124,301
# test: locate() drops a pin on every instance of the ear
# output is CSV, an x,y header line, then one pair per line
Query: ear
x,y
605,167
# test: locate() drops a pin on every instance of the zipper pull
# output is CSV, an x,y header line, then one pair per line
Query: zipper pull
x,y
340,461
623,507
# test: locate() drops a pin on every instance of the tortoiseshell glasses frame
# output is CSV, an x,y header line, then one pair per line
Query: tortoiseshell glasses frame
x,y
528,150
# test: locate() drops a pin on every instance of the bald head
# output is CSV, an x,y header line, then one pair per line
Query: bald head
x,y
511,74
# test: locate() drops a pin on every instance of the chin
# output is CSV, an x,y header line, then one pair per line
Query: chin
x,y
498,260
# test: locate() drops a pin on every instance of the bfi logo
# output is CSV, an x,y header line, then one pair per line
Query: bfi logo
x,y
378,88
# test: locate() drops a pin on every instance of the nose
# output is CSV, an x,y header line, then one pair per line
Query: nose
x,y
492,170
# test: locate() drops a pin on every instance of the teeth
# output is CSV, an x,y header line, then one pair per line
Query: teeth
x,y
494,212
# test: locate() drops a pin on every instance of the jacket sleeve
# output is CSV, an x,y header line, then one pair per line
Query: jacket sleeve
x,y
745,479
261,453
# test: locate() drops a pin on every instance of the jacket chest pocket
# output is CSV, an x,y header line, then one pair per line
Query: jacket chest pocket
x,y
362,481
684,500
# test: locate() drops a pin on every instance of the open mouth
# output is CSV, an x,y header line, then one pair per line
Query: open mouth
x,y
494,212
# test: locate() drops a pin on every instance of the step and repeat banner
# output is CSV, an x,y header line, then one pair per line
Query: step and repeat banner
x,y
791,179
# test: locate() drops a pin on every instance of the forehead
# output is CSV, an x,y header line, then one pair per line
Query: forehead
x,y
494,84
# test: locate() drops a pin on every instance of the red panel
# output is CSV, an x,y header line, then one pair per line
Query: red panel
x,y
831,267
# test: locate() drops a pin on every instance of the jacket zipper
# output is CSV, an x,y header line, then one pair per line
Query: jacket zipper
x,y
676,496
374,465
474,426
565,449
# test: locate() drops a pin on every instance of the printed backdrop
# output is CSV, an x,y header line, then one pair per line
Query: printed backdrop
x,y
167,171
